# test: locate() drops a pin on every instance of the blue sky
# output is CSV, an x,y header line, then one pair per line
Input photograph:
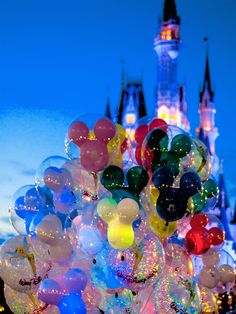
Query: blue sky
x,y
58,59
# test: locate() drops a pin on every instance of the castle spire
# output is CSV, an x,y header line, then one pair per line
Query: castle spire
x,y
108,108
207,108
121,103
207,81
170,12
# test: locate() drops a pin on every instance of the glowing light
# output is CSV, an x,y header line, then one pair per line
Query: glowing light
x,y
130,118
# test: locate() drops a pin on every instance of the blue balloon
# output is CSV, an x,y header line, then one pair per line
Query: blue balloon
x,y
72,304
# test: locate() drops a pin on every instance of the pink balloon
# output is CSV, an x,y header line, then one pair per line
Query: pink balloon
x,y
78,132
94,155
104,130
56,178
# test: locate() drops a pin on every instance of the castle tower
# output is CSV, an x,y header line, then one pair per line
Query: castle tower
x,y
170,105
108,109
207,111
131,106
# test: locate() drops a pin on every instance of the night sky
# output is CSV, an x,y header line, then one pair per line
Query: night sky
x,y
59,59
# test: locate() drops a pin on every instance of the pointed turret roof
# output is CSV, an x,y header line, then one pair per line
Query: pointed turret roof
x,y
108,109
233,220
170,12
223,200
121,103
207,82
142,106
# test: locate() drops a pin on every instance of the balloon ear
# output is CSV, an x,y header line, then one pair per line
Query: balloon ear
x,y
137,178
112,178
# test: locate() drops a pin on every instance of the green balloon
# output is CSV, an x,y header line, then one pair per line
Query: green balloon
x,y
157,140
199,201
112,177
181,144
137,179
210,188
171,160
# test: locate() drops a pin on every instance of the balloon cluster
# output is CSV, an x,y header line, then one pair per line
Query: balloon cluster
x,y
120,226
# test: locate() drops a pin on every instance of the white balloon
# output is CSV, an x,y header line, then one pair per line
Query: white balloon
x,y
49,230
209,277
61,252
226,273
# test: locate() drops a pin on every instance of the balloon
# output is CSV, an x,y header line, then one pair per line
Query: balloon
x,y
49,230
119,219
161,227
90,240
198,241
20,268
27,303
137,178
200,220
176,293
104,130
209,277
75,280
158,123
181,144
78,132
140,133
50,292
171,204
190,183
72,304
62,251
94,155
163,177
139,266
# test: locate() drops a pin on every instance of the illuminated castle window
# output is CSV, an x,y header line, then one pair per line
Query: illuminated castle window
x,y
130,118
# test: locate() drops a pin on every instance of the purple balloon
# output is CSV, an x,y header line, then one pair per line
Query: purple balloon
x,y
75,280
50,292
94,155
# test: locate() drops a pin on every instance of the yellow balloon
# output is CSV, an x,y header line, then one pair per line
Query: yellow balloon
x,y
113,147
118,161
91,135
154,194
120,235
122,132
160,227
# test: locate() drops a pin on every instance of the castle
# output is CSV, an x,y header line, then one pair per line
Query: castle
x,y
171,105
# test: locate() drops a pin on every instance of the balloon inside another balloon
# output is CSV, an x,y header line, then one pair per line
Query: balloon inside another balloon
x,y
165,146
177,293
20,302
20,267
198,159
140,265
217,270
26,203
98,140
178,260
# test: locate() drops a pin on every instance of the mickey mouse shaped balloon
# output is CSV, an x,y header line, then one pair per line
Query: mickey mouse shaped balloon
x,y
119,218
112,178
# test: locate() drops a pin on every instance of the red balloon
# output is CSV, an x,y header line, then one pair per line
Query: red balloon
x,y
199,220
94,155
197,241
124,146
104,130
158,123
140,133
78,132
217,235
138,154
